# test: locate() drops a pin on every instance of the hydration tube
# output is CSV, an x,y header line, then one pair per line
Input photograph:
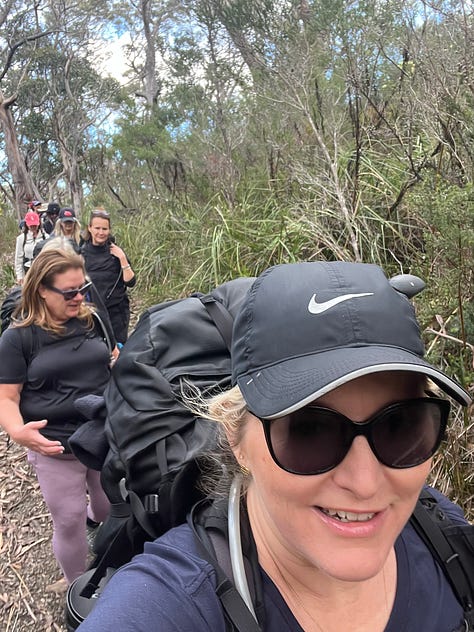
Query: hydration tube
x,y
235,544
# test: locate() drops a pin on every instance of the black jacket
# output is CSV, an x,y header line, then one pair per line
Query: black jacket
x,y
106,272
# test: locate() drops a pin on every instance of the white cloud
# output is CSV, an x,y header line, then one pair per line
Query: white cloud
x,y
111,58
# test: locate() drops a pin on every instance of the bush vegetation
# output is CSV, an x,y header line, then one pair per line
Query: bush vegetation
x,y
260,133
182,249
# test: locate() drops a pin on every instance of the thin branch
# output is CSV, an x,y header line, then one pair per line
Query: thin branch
x,y
17,45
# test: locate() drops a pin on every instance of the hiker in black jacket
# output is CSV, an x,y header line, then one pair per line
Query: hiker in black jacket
x,y
110,270
50,216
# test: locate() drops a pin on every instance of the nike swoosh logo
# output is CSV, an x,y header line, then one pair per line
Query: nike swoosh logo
x,y
318,308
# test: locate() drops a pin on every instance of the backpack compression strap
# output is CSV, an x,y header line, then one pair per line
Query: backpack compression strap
x,y
452,545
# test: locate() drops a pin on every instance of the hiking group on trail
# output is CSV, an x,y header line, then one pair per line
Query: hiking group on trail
x,y
257,456
58,349
106,263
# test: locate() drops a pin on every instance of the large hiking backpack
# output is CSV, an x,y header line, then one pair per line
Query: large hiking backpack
x,y
154,440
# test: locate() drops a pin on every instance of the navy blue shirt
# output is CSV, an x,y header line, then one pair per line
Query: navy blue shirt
x,y
170,588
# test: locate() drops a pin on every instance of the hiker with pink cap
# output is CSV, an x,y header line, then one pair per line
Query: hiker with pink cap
x,y
26,241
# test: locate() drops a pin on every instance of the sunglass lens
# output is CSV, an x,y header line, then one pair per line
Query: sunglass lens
x,y
84,289
70,294
408,434
306,442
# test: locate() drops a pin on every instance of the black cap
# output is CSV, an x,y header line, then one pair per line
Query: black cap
x,y
306,328
67,214
53,208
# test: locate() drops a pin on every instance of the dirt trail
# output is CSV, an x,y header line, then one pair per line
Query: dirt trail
x,y
27,564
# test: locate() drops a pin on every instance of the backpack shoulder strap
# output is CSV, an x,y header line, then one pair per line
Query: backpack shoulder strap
x,y
103,330
221,317
452,545
214,548
29,342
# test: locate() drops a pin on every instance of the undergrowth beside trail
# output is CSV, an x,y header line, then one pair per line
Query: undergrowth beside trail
x,y
177,249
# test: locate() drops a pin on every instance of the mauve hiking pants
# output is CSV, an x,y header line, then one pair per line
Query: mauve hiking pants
x,y
65,484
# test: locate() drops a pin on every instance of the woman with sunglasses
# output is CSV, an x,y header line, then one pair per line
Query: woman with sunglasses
x,y
68,226
52,355
328,432
110,270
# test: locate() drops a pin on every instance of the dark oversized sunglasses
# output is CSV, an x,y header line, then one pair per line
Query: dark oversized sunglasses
x,y
68,295
314,440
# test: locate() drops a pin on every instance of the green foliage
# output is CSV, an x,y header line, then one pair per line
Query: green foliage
x,y
279,132
8,235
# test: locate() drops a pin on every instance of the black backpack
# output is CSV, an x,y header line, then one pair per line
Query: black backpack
x,y
9,305
152,467
155,443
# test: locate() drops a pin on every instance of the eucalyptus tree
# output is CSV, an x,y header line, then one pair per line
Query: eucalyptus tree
x,y
61,99
20,35
442,70
78,100
327,105
334,94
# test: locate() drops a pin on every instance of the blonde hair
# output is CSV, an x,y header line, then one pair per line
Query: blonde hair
x,y
60,242
229,410
59,231
50,262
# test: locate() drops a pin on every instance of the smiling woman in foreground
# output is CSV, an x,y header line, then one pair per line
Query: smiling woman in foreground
x,y
332,423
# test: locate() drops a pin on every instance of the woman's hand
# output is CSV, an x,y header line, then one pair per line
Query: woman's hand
x,y
114,355
29,436
127,271
116,251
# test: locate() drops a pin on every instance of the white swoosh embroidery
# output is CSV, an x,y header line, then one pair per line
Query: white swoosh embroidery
x,y
319,308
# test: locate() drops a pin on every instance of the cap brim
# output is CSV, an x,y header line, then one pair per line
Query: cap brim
x,y
283,388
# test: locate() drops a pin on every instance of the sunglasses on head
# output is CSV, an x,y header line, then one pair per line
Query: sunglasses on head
x,y
314,440
68,295
104,214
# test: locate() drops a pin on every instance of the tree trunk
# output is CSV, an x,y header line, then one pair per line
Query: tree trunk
x,y
151,85
72,176
23,185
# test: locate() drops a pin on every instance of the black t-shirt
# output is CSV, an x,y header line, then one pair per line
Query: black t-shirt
x,y
61,369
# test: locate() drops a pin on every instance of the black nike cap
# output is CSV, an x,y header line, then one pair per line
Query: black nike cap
x,y
306,328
